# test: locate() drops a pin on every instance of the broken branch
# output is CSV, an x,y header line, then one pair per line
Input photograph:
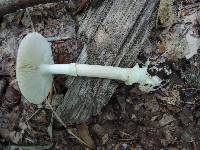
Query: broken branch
x,y
10,6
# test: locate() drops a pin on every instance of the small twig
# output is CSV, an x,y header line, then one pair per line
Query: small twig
x,y
29,16
56,115
13,82
83,4
166,124
180,8
53,39
11,147
32,115
126,140
124,133
68,129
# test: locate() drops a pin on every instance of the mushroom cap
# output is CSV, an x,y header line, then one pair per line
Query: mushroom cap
x,y
34,50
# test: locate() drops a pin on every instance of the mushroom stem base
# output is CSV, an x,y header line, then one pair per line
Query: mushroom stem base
x,y
127,75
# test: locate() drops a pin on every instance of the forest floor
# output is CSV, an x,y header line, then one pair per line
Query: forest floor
x,y
168,118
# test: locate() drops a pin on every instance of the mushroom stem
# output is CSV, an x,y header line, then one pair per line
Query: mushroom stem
x,y
128,75
68,69
107,72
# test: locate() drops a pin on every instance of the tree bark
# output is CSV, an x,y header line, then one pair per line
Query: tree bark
x,y
10,6
114,33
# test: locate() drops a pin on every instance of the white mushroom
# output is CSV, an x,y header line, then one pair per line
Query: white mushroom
x,y
35,67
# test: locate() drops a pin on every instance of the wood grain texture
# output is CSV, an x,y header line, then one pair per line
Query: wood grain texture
x,y
113,32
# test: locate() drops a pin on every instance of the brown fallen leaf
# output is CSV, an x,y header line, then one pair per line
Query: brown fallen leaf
x,y
16,137
12,97
8,124
81,6
83,132
133,148
101,133
161,48
59,84
2,87
184,12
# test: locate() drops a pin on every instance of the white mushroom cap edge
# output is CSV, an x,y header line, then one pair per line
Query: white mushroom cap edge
x,y
33,51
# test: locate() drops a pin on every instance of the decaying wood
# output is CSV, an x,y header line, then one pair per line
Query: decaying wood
x,y
114,31
9,6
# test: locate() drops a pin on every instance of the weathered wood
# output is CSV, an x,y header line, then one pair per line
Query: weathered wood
x,y
9,6
114,33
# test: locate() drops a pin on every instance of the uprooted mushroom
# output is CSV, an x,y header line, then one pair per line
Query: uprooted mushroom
x,y
35,67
